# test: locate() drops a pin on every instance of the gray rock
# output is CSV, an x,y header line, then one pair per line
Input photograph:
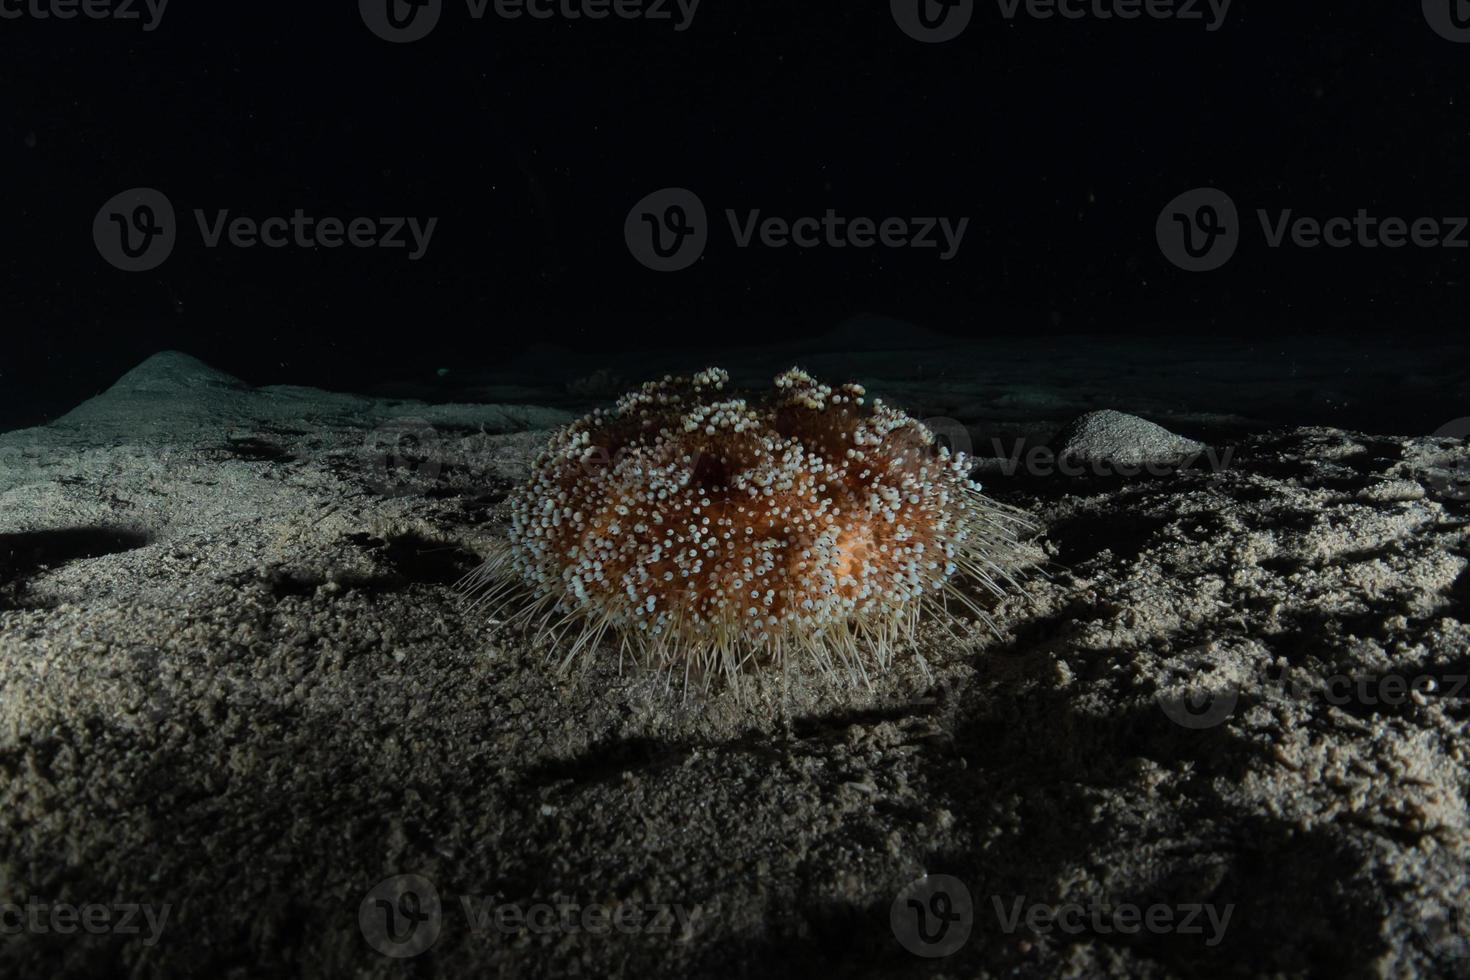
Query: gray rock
x,y
1116,437
180,398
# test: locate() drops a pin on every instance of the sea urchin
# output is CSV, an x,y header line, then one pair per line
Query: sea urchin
x,y
704,530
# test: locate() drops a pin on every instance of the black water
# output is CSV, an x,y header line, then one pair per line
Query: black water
x,y
537,146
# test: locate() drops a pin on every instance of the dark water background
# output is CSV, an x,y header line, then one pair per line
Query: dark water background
x,y
1061,141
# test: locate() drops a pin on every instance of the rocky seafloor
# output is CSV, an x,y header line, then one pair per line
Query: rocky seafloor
x,y
1224,733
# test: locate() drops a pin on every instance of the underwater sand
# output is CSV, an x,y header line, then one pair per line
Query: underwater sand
x,y
235,678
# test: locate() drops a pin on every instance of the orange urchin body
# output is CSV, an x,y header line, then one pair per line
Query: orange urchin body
x,y
704,529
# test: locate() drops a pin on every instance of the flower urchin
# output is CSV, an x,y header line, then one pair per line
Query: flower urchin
x,y
705,530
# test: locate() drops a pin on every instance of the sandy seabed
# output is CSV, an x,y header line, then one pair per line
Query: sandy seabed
x,y
1224,735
